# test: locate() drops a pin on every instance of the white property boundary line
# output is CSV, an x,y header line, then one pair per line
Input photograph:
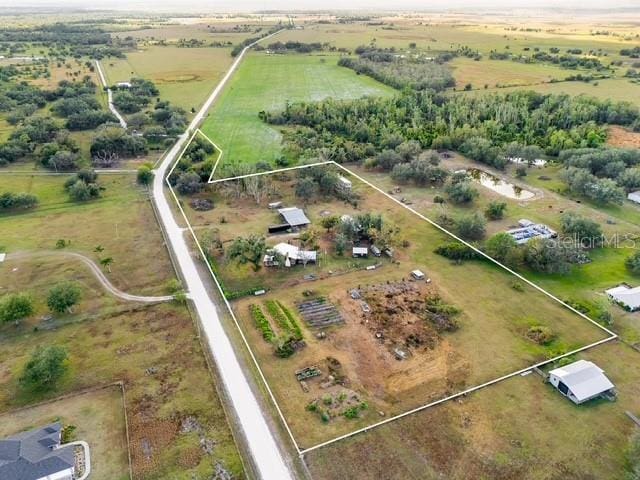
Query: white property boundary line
x,y
301,452
194,125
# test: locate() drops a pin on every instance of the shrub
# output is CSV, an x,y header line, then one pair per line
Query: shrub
x,y
14,201
63,296
441,314
144,175
585,231
632,262
83,186
262,323
461,192
285,349
456,251
540,334
189,183
495,210
501,246
15,307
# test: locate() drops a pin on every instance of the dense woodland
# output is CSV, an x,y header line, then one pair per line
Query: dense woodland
x,y
400,71
478,126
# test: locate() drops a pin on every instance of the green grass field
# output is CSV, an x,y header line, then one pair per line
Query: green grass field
x,y
184,76
265,82
617,89
121,221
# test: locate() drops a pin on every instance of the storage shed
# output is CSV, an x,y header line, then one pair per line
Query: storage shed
x,y
360,252
580,381
294,216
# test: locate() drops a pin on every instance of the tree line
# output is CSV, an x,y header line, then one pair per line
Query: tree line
x,y
481,127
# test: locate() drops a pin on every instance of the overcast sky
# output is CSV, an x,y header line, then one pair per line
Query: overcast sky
x,y
250,5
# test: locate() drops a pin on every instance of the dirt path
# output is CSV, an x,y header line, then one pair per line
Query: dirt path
x,y
103,80
104,281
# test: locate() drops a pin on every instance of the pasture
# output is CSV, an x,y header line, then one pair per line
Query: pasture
x,y
266,83
121,221
154,349
616,89
184,76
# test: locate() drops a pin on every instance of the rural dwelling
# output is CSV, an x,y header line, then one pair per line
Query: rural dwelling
x,y
294,217
634,196
625,296
123,85
37,455
290,255
360,252
581,381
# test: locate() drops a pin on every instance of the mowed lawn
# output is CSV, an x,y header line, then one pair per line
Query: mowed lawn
x,y
268,82
98,418
184,76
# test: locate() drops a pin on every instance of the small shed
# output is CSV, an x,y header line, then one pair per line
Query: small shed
x,y
418,275
344,184
580,381
360,252
123,84
294,216
634,196
2,257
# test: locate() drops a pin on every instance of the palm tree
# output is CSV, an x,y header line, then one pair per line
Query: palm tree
x,y
106,262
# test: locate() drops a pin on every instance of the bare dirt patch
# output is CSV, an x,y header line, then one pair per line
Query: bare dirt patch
x,y
623,138
392,348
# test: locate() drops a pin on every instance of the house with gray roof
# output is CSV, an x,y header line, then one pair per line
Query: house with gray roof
x,y
37,455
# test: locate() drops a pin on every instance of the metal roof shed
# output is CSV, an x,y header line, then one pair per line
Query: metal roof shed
x,y
626,296
294,216
580,381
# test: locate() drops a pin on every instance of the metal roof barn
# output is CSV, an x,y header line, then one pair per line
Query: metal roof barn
x,y
580,381
294,216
